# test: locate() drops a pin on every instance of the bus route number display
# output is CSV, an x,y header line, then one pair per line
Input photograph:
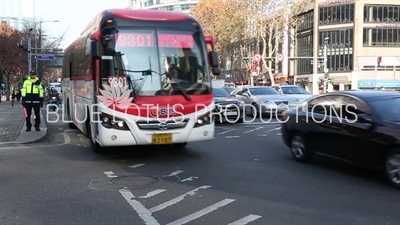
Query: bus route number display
x,y
135,40
117,81
147,40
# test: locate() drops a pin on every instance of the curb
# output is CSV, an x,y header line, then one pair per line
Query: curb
x,y
33,136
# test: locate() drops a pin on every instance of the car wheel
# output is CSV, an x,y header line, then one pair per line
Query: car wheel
x,y
392,167
254,110
299,150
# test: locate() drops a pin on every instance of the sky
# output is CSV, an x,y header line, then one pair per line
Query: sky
x,y
73,15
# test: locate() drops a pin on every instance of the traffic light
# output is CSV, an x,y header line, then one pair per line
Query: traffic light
x,y
146,72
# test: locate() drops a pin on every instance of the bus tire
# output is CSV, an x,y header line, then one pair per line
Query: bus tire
x,y
71,125
180,146
96,148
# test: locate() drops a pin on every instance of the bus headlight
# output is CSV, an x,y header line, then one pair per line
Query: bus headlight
x,y
203,120
112,122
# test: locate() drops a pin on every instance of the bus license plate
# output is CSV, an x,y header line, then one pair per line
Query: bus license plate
x,y
161,139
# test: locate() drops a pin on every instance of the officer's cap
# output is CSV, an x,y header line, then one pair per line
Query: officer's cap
x,y
32,72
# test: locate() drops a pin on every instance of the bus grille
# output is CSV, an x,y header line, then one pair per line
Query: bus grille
x,y
162,125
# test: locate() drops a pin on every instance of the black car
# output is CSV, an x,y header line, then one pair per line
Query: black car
x,y
361,127
230,108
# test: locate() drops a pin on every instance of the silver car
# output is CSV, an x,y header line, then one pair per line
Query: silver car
x,y
298,94
266,100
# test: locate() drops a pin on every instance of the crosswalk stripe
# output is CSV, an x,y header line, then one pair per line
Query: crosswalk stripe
x,y
245,220
202,212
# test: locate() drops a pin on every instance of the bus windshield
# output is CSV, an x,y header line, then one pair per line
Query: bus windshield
x,y
175,58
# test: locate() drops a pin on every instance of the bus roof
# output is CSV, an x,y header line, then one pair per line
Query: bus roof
x,y
139,14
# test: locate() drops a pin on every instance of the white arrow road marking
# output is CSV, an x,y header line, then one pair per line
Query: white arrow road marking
x,y
189,179
110,174
136,166
174,173
143,213
202,212
153,193
245,220
177,199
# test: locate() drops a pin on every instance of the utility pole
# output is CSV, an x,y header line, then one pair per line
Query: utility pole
x,y
326,70
29,53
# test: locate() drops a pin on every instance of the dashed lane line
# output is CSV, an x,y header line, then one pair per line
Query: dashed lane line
x,y
224,132
136,166
252,130
230,137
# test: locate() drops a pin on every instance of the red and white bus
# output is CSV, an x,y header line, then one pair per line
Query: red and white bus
x,y
140,77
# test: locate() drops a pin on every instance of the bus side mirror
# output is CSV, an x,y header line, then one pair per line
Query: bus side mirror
x,y
216,71
95,49
213,56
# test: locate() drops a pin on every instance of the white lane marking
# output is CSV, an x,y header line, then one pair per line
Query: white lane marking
x,y
110,174
232,137
72,131
263,135
279,134
81,135
245,220
136,166
177,199
189,179
258,128
143,213
174,173
277,128
224,132
153,193
202,212
61,128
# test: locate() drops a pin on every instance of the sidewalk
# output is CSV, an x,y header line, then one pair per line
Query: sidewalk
x,y
12,124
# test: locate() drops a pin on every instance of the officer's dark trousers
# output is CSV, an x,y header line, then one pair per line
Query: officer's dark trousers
x,y
36,109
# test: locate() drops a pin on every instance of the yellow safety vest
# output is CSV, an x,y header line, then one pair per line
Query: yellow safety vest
x,y
32,91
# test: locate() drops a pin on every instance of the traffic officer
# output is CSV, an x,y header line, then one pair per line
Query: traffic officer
x,y
32,98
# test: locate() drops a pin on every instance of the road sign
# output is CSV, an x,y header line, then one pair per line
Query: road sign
x,y
279,57
257,57
45,57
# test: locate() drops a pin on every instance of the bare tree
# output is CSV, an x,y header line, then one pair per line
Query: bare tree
x,y
12,60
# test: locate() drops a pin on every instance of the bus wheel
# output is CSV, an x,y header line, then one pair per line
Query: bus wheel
x,y
96,148
71,125
180,146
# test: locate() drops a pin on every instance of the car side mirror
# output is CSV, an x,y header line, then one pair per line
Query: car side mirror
x,y
246,95
95,49
364,118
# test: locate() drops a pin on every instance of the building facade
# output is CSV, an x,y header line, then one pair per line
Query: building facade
x,y
171,5
362,43
14,12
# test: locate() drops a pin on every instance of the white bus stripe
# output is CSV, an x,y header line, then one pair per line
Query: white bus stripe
x,y
177,199
245,220
143,213
202,212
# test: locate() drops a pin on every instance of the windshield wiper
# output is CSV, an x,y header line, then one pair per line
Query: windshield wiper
x,y
148,72
182,90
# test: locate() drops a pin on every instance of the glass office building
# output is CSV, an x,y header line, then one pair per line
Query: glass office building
x,y
12,12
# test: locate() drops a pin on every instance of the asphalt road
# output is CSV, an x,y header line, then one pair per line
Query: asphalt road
x,y
245,175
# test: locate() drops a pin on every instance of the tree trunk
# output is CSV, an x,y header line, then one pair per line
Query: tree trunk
x,y
8,87
1,83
